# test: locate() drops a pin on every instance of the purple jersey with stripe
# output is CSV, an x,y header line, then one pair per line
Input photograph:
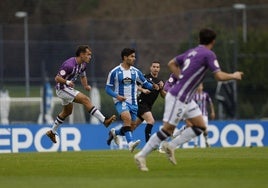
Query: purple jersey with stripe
x,y
71,70
194,62
202,99
170,82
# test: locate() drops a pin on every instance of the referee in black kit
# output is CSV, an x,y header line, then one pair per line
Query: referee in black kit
x,y
147,98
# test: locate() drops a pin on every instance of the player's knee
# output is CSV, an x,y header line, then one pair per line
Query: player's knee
x,y
150,122
198,130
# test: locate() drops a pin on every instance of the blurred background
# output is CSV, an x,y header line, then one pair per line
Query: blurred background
x,y
36,36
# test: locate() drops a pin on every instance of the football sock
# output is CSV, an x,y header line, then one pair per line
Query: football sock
x,y
128,133
205,134
96,113
58,121
195,141
153,142
148,131
120,132
186,135
178,132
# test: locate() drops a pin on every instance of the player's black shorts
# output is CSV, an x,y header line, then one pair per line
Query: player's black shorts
x,y
142,108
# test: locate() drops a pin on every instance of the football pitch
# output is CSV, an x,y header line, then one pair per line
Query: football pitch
x,y
211,167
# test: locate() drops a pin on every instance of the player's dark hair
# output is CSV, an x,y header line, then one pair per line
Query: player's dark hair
x,y
155,61
82,49
127,52
206,36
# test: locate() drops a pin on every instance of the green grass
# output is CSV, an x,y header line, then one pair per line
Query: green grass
x,y
212,167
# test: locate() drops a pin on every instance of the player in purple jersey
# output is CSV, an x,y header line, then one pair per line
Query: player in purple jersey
x,y
190,67
203,99
72,69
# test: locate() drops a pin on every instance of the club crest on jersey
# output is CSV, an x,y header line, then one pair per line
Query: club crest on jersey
x,y
62,72
124,105
171,80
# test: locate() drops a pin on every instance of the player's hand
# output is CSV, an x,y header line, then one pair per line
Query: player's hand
x,y
238,75
88,87
146,91
156,87
69,83
161,84
121,98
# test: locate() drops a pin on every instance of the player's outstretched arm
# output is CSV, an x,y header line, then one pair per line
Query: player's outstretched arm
x,y
223,76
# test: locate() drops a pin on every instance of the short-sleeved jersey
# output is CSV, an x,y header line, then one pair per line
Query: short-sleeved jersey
x,y
194,62
71,70
202,99
170,82
150,98
125,81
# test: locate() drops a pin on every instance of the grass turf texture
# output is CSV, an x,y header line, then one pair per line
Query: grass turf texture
x,y
212,167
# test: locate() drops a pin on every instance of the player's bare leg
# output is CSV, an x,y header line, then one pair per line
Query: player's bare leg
x,y
66,111
83,99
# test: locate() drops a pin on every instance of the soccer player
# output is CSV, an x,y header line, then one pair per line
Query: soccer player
x,y
190,67
147,98
69,72
202,98
122,86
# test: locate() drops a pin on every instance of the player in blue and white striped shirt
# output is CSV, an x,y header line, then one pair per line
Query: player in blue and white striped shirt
x,y
122,86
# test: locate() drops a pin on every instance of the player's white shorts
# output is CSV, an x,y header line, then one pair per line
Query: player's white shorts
x,y
175,110
67,95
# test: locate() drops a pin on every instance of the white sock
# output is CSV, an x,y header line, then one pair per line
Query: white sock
x,y
195,141
178,132
152,144
185,136
56,124
96,113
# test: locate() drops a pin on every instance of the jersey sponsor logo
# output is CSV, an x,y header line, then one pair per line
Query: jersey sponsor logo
x,y
127,81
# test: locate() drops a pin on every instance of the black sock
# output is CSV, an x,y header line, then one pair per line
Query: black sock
x,y
162,135
121,131
198,130
148,131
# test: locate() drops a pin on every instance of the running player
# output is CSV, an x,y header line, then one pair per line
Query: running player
x,y
178,102
122,86
69,72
